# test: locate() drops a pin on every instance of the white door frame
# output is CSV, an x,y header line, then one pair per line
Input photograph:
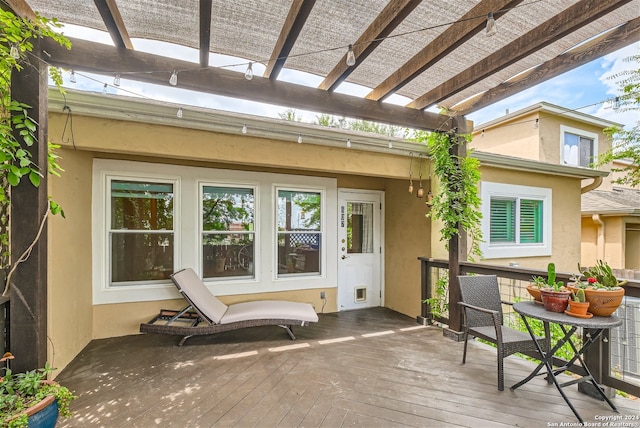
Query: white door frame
x,y
343,193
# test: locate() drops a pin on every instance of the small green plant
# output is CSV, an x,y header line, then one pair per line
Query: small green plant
x,y
23,390
439,304
550,281
578,296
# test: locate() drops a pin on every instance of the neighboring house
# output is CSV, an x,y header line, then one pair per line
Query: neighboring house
x,y
261,208
610,225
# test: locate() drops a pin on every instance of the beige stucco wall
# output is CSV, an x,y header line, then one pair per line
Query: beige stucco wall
x,y
516,137
74,320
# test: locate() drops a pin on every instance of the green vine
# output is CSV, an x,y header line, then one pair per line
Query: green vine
x,y
18,130
457,201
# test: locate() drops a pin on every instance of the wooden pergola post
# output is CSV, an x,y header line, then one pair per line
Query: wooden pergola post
x,y
456,243
29,204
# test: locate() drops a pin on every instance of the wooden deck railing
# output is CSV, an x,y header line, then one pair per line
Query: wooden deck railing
x,y
513,281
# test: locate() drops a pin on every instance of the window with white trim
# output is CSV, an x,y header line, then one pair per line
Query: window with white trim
x,y
141,236
577,147
516,220
222,223
299,232
228,231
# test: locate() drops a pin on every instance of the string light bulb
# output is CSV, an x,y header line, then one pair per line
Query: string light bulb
x,y
420,193
179,113
244,128
491,28
249,73
14,52
116,80
72,77
351,57
348,143
173,80
104,89
390,145
411,172
536,125
616,103
299,138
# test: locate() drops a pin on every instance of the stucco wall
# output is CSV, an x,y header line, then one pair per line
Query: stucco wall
x,y
70,313
516,138
408,235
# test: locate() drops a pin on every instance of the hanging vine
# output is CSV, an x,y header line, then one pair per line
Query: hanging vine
x,y
18,131
457,201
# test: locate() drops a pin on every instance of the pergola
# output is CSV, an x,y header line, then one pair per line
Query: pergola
x,y
435,53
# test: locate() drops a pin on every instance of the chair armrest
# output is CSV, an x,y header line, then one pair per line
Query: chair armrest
x,y
477,308
504,302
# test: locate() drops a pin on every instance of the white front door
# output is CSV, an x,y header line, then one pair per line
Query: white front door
x,y
359,249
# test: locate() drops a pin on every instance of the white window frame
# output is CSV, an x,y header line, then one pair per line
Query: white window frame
x,y
187,229
511,250
256,225
581,133
323,226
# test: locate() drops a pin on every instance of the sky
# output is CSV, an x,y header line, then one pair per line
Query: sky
x,y
585,89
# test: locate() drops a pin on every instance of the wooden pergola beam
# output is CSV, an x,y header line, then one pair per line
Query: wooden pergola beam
x,y
103,59
205,32
296,18
605,44
21,8
571,19
391,16
114,23
467,26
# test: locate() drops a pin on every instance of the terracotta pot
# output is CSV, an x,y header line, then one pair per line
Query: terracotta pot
x,y
535,292
578,308
555,301
603,303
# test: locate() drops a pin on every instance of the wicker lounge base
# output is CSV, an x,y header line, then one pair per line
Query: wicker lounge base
x,y
163,323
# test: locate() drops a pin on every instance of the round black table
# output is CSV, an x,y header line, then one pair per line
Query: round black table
x,y
596,325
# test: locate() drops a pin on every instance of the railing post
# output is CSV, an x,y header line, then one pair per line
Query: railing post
x,y
425,317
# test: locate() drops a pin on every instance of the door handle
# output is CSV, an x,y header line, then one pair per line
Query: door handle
x,y
344,257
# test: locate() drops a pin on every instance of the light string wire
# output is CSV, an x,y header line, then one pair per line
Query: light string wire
x,y
318,51
296,134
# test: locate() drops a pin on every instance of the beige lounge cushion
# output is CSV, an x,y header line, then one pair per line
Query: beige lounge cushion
x,y
190,284
269,309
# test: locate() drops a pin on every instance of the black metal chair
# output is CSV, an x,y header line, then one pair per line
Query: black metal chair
x,y
482,311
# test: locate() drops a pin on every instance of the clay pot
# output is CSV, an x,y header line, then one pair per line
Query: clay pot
x,y
555,301
534,290
603,303
578,308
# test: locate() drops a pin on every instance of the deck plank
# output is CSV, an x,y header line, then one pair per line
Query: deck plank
x,y
389,373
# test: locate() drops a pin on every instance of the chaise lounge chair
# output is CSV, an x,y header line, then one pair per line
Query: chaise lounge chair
x,y
206,314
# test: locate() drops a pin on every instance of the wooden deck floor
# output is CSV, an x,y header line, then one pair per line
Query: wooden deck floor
x,y
372,368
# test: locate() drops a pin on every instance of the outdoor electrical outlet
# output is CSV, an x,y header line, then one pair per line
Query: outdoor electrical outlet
x,y
322,295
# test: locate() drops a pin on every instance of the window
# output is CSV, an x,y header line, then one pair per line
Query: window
x,y
141,232
516,220
228,231
578,148
244,232
299,232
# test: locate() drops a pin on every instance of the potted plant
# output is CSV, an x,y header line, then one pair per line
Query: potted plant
x,y
29,399
534,288
555,296
603,290
578,305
